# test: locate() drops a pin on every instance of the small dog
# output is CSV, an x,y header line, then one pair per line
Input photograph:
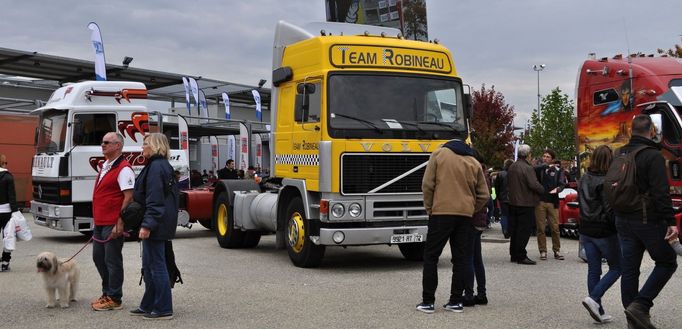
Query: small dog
x,y
58,276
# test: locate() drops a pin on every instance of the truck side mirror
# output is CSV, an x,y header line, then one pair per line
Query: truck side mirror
x,y
303,91
468,106
78,133
657,119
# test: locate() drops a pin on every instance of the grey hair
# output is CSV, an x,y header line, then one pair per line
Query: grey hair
x,y
524,150
118,135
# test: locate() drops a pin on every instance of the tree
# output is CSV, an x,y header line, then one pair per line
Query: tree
x,y
676,52
415,19
492,126
554,128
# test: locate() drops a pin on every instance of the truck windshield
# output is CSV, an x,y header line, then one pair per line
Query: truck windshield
x,y
398,106
51,131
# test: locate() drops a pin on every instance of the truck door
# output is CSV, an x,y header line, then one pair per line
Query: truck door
x,y
670,133
85,156
306,131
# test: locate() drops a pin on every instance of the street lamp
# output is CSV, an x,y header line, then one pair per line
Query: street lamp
x,y
538,68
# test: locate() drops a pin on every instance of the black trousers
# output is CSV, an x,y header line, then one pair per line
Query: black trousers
x,y
444,228
521,221
4,218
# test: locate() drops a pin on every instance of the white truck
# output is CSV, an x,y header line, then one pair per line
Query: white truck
x,y
68,151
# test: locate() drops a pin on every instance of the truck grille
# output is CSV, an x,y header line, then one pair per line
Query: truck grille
x,y
363,172
48,192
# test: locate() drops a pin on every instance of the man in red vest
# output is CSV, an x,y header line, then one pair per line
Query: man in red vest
x,y
113,191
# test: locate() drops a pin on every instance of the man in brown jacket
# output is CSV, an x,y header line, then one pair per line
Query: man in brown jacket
x,y
524,195
454,188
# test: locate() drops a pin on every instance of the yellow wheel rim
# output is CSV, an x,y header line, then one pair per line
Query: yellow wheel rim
x,y
296,232
222,220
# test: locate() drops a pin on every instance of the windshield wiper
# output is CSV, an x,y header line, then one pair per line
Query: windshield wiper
x,y
442,124
416,125
367,122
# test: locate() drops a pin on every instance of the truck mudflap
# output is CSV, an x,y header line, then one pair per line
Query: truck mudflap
x,y
369,236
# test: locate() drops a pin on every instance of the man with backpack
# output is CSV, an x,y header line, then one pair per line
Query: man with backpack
x,y
637,188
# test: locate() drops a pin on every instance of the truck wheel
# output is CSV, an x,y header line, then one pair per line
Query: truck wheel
x,y
302,251
207,223
251,239
223,221
412,251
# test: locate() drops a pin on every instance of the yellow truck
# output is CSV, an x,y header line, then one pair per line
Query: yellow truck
x,y
356,111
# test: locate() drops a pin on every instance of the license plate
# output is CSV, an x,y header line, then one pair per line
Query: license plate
x,y
407,238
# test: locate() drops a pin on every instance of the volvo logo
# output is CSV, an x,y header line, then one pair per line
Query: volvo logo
x,y
40,191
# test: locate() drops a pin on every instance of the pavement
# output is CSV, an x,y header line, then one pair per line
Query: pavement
x,y
356,287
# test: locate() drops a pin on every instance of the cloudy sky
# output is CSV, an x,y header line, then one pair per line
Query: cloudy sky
x,y
494,42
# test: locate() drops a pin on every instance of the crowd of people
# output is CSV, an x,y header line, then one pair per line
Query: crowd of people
x,y
527,197
197,178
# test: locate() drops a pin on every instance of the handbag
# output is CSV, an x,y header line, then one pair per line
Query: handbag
x,y
9,238
132,216
23,232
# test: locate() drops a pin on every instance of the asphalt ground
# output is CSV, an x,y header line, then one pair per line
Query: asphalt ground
x,y
359,287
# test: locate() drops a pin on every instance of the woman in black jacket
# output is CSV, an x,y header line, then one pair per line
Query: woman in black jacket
x,y
156,189
598,233
8,205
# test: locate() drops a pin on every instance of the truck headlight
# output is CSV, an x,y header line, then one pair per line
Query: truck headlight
x,y
338,210
354,210
57,212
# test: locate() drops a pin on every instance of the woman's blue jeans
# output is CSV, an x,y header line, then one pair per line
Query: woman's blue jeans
x,y
157,296
595,250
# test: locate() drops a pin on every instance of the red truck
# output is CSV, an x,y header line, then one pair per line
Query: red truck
x,y
609,92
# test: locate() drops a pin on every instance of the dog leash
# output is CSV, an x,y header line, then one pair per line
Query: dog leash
x,y
92,238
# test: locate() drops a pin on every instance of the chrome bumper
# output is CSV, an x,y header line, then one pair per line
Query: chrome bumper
x,y
58,217
366,236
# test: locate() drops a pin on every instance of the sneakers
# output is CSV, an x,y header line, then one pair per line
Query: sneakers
x,y
593,308
638,315
106,304
558,255
543,255
426,308
452,307
605,318
481,300
4,267
137,312
157,316
99,299
469,302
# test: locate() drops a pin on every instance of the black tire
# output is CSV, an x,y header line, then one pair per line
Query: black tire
x,y
302,251
251,239
207,223
412,251
223,221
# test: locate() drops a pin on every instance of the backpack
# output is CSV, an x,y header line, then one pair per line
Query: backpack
x,y
620,184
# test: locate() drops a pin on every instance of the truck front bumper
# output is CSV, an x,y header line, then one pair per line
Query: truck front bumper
x,y
369,236
58,217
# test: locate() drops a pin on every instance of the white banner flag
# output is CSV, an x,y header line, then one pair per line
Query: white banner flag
x,y
214,153
203,108
195,92
231,147
100,63
226,100
256,98
185,83
258,148
243,147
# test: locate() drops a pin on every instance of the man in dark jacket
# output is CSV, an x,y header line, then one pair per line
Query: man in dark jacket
x,y
524,195
228,172
502,192
553,181
637,235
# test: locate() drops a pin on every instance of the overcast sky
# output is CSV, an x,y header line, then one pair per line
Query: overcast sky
x,y
493,42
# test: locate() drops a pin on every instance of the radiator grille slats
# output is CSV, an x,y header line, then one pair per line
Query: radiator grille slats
x,y
364,172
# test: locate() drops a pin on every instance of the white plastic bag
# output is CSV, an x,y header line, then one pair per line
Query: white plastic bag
x,y
23,232
9,236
